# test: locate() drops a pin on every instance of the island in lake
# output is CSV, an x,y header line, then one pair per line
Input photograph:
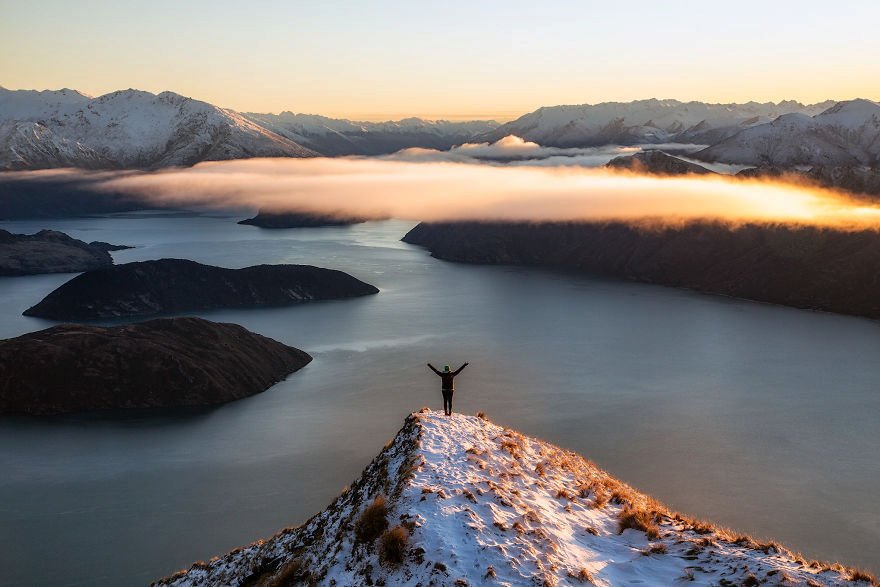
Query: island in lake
x,y
299,219
168,362
50,251
163,286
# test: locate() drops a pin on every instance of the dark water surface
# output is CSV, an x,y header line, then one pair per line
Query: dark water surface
x,y
763,418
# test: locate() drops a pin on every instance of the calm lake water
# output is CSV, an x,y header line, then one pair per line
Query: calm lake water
x,y
763,418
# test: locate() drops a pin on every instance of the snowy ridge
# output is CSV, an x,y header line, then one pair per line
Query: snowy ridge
x,y
126,129
473,503
645,121
847,134
332,136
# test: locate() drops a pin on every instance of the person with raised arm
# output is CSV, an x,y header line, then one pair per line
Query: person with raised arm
x,y
447,384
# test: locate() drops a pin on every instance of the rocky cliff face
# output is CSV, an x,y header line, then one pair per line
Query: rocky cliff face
x,y
159,363
461,501
804,267
178,285
50,251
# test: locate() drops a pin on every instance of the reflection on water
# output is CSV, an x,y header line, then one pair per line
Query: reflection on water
x,y
758,417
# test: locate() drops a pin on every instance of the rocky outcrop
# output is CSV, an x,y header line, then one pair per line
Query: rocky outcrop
x,y
800,266
159,363
656,163
292,219
462,501
177,285
50,251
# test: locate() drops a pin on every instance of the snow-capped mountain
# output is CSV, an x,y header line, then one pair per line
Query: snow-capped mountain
x,y
644,121
846,134
332,136
126,129
461,501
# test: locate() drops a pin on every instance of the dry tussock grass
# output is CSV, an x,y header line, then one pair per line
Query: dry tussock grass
x,y
372,521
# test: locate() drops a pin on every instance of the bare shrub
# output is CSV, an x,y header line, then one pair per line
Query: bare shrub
x,y
373,521
482,416
392,549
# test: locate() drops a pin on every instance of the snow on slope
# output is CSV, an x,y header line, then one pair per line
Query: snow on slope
x,y
332,136
126,129
644,121
847,134
486,505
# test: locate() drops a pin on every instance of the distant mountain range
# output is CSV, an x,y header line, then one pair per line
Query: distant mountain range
x,y
645,121
136,129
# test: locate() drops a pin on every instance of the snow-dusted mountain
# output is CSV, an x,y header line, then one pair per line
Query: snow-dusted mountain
x,y
461,501
332,136
644,121
126,129
846,134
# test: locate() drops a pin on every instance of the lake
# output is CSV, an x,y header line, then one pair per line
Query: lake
x,y
758,417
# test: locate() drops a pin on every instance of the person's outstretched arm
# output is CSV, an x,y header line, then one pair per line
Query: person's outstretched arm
x,y
460,369
433,369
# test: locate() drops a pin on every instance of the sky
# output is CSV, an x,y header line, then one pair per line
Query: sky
x,y
388,59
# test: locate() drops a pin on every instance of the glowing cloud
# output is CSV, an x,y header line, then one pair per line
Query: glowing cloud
x,y
455,191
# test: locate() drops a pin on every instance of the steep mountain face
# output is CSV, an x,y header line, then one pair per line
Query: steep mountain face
x,y
335,137
847,134
800,266
126,129
159,363
643,121
461,501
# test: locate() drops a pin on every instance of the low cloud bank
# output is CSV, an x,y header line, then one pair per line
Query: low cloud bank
x,y
437,191
512,150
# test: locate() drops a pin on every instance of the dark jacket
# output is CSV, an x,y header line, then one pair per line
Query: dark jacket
x,y
447,382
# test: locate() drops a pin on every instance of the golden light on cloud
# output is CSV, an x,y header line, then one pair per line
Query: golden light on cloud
x,y
468,191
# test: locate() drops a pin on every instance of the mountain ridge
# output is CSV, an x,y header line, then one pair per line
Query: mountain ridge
x,y
462,501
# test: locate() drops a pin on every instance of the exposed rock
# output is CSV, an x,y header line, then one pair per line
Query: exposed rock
x,y
159,363
50,251
800,266
177,285
292,219
657,163
467,502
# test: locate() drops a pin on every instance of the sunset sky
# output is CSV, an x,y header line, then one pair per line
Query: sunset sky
x,y
476,59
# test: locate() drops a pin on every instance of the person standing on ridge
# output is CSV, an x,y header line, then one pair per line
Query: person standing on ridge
x,y
447,384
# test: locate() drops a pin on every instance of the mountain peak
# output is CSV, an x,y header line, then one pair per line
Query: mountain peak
x,y
460,500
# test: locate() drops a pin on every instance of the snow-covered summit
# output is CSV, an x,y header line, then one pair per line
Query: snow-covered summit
x,y
127,128
846,134
644,121
461,501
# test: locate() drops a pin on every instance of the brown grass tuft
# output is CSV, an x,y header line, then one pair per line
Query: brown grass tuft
x,y
373,521
638,519
392,549
583,575
482,416
860,575
289,574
